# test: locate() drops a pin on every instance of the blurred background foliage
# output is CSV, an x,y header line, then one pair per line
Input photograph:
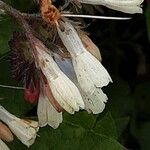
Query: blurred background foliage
x,y
125,49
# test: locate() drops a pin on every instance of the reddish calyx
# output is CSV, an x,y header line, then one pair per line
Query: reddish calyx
x,y
31,93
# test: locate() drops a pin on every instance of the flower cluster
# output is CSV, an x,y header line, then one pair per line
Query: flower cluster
x,y
58,91
58,83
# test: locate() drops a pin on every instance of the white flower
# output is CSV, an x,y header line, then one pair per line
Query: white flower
x,y
63,89
91,75
95,101
127,6
47,114
3,146
25,131
89,71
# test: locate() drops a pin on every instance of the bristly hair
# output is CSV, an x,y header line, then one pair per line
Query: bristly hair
x,y
22,62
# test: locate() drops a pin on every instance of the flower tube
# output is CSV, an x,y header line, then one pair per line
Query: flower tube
x,y
25,131
63,89
91,75
90,72
47,114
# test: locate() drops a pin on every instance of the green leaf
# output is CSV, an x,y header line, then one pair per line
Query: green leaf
x,y
7,26
68,137
106,126
82,119
75,133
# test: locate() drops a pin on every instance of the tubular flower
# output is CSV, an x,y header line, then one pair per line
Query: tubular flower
x,y
127,6
25,131
3,146
90,72
62,88
91,75
47,114
95,101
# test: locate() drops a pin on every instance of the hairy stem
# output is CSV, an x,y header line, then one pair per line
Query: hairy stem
x,y
21,20
18,16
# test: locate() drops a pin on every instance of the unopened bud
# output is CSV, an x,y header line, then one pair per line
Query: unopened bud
x,y
5,133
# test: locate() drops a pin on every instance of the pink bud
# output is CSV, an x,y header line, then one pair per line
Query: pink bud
x,y
5,133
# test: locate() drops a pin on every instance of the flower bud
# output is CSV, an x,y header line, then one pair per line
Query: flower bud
x,y
31,92
5,133
89,45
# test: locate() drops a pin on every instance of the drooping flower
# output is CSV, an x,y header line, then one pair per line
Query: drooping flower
x,y
25,130
62,88
94,102
127,6
91,75
5,133
47,114
3,146
88,69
